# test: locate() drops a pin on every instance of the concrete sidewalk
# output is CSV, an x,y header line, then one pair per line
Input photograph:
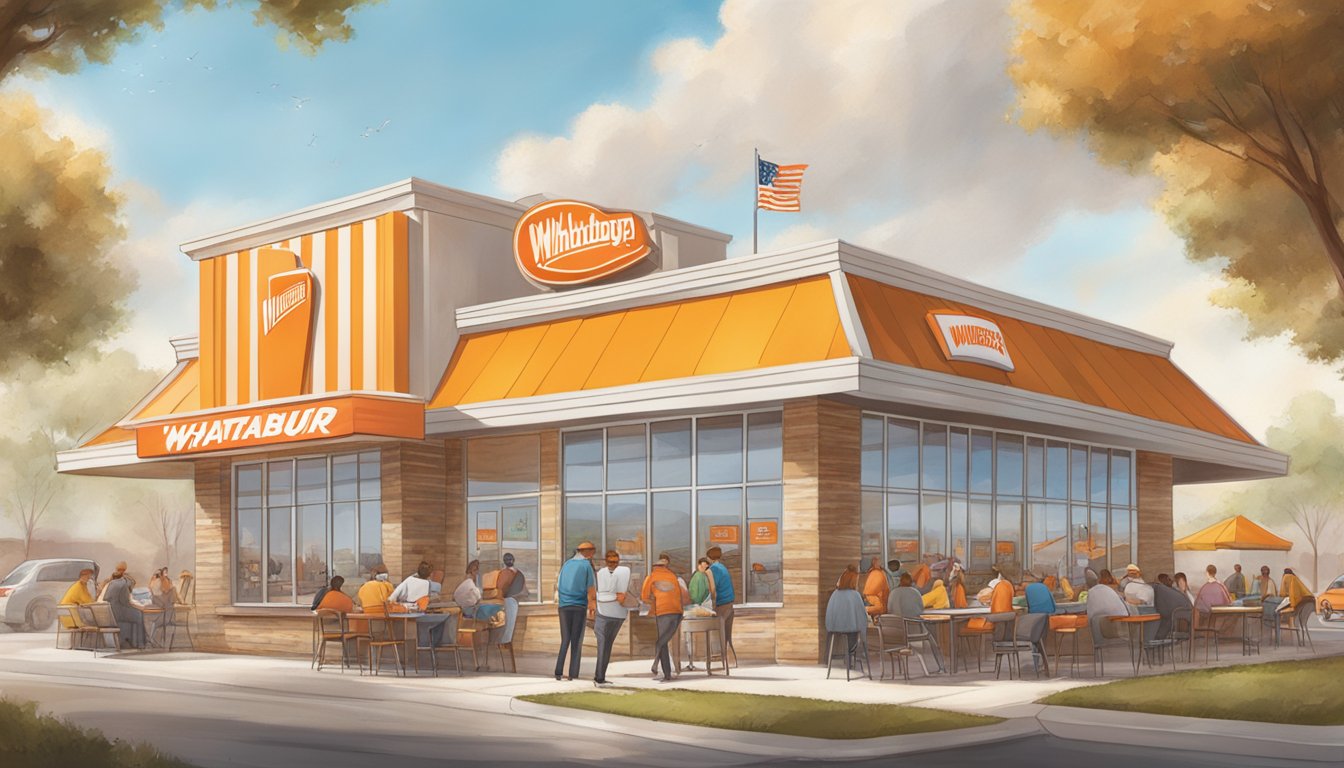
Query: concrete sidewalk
x,y
250,677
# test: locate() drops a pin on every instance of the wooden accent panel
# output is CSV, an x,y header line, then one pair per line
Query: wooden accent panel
x,y
1155,533
414,502
552,543
454,512
821,519
214,557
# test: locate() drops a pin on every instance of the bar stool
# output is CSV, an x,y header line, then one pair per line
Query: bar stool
x,y
851,654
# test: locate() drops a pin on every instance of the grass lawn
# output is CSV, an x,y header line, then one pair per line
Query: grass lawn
x,y
1300,692
786,715
30,740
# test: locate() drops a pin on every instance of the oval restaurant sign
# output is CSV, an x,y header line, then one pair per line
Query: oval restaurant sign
x,y
568,243
970,339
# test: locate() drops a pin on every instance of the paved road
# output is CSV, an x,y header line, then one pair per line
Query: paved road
x,y
223,724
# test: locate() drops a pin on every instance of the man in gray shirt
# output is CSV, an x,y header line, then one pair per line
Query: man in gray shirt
x,y
613,581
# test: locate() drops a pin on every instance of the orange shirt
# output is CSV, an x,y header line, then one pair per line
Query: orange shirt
x,y
876,590
1000,601
662,589
337,601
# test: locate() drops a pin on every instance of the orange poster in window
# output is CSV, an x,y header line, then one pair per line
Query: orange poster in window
x,y
487,536
764,532
1006,548
904,546
723,534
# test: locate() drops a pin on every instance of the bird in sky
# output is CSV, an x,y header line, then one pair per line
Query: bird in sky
x,y
370,131
313,140
298,102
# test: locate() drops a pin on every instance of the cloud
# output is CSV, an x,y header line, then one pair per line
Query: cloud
x,y
899,108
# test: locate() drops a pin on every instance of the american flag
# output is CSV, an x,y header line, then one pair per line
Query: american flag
x,y
779,187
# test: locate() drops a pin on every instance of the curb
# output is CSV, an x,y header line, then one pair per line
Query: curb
x,y
775,745
1317,743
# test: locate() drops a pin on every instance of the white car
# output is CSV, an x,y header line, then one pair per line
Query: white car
x,y
30,593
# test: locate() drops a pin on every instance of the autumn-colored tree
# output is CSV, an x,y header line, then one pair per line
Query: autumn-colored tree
x,y
59,290
1238,107
1311,497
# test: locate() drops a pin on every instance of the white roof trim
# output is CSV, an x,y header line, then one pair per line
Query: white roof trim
x,y
793,264
186,347
99,459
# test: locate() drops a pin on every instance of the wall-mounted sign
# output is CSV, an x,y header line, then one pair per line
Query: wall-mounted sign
x,y
764,531
904,546
970,339
285,304
568,243
315,419
487,536
1006,548
723,534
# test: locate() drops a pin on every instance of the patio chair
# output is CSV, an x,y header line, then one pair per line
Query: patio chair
x,y
1072,634
1298,623
892,644
74,626
330,626
1205,627
448,643
1006,643
1100,642
502,637
105,622
181,619
1182,619
856,654
917,631
381,637
1031,629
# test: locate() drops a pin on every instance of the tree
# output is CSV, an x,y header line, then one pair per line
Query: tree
x,y
59,290
1237,107
1311,496
32,485
169,518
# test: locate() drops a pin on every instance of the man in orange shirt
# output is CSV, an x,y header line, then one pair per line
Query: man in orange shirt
x,y
876,588
668,595
335,599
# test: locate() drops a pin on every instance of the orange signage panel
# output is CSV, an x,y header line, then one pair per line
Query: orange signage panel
x,y
285,304
276,425
568,243
1007,548
723,534
904,546
764,532
487,536
970,339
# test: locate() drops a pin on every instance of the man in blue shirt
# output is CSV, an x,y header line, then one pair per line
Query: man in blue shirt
x,y
576,586
723,600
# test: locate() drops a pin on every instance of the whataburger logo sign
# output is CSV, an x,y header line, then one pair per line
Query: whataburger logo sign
x,y
567,243
970,339
324,418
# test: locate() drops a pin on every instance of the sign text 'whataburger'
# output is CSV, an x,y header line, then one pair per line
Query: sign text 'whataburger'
x,y
275,425
567,243
970,339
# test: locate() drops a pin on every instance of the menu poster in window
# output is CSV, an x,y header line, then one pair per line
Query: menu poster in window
x,y
723,534
980,550
904,546
764,531
1007,548
518,529
486,533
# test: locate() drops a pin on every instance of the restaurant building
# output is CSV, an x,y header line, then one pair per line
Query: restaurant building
x,y
416,372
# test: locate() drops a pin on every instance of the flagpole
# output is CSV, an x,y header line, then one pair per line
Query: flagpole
x,y
755,195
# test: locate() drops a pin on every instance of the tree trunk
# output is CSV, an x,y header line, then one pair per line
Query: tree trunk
x,y
1322,216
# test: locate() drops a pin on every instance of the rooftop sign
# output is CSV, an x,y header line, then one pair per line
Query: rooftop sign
x,y
568,243
970,339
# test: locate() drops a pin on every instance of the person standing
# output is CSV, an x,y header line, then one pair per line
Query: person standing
x,y
1236,583
664,590
723,599
613,582
576,587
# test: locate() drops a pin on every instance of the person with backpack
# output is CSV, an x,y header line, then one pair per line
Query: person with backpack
x,y
668,596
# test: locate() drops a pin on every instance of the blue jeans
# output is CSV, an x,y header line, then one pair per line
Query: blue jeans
x,y
571,638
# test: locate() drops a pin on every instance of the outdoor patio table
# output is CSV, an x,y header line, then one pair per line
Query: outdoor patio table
x,y
1244,611
953,616
1135,627
708,626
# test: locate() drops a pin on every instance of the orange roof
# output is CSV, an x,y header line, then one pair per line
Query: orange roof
x,y
791,322
1232,533
1047,360
180,394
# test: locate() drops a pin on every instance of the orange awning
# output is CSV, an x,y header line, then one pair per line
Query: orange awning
x,y
180,392
1232,533
1047,360
792,322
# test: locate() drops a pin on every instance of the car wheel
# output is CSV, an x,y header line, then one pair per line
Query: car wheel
x,y
1327,613
41,615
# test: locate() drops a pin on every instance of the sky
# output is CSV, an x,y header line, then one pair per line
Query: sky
x,y
902,111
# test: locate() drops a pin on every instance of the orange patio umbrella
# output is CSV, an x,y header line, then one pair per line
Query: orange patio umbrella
x,y
1232,533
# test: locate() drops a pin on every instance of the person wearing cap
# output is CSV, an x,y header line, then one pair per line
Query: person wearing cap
x,y
613,582
576,588
1136,590
1236,583
723,598
669,597
876,588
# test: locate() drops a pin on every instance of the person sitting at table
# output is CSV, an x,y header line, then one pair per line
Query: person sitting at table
x,y
876,588
1294,592
1167,599
846,611
117,573
376,591
936,597
906,601
1264,584
956,586
1001,593
1236,583
80,592
129,615
1104,600
1039,599
334,599
1137,591
920,577
415,587
1212,592
511,581
1181,584
163,596
435,583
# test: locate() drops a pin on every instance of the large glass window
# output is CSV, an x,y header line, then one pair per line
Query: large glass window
x,y
681,486
503,498
298,522
933,492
